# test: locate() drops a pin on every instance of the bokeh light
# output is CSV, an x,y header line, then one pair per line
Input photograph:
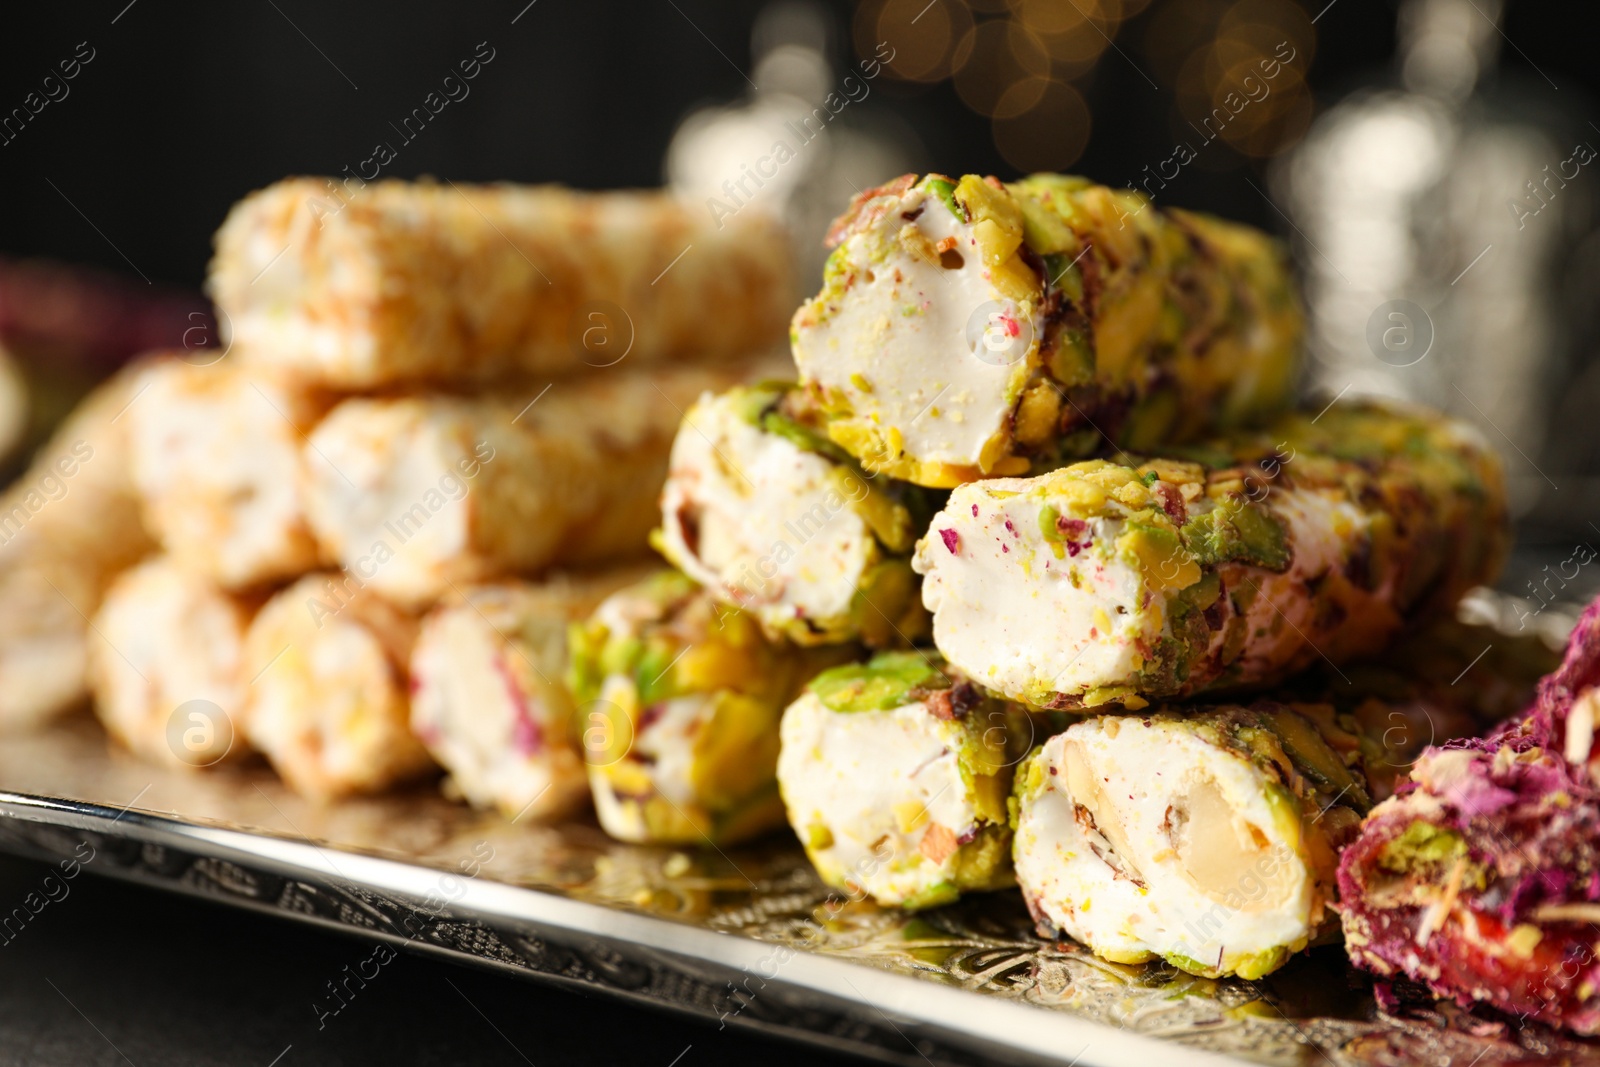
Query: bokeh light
x,y
1235,69
1073,32
1050,135
923,35
1283,19
1238,74
1001,54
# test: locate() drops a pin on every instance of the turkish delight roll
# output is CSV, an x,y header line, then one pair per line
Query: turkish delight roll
x,y
216,458
1481,877
68,526
414,493
969,329
487,692
772,517
895,774
360,285
326,689
1207,837
166,664
1235,562
679,699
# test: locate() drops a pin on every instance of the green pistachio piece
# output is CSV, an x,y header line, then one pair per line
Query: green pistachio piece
x,y
946,192
889,680
933,896
1237,530
1043,228
1421,845
1312,757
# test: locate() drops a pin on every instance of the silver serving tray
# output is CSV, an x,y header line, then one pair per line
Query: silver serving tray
x,y
741,937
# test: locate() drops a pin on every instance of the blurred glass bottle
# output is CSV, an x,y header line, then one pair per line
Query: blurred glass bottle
x,y
1438,215
801,144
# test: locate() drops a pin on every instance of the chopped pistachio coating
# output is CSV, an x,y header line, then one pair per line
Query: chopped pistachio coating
x,y
895,775
679,698
772,517
1239,561
1450,679
1208,837
968,329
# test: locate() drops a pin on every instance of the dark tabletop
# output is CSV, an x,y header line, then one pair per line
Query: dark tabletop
x,y
117,974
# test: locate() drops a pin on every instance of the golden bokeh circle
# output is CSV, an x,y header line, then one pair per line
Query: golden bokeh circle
x,y
1049,17
1074,32
922,35
1172,31
1235,90
997,55
1020,96
1050,135
1286,22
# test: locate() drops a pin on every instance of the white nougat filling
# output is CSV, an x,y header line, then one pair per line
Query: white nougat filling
x,y
761,521
875,785
1029,624
1014,617
1143,839
900,344
492,716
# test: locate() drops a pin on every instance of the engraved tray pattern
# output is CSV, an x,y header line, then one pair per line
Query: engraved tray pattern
x,y
744,937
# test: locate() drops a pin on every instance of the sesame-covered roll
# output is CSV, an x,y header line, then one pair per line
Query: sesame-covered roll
x,y
769,515
414,493
895,775
326,689
216,458
69,525
1204,836
357,285
1250,557
1481,877
166,664
487,692
967,329
679,698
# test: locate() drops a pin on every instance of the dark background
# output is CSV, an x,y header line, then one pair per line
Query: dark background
x,y
187,106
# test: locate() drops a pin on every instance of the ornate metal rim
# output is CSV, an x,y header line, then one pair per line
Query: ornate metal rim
x,y
548,937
